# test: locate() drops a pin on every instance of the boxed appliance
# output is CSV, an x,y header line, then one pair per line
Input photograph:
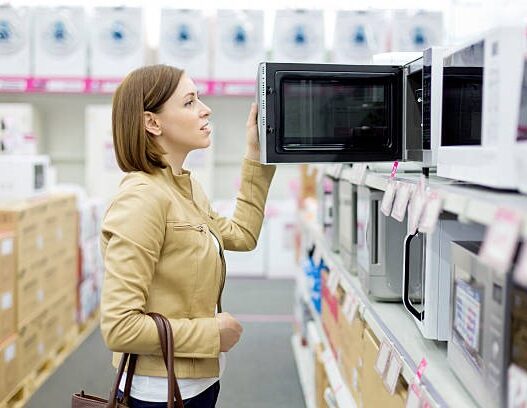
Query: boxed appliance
x,y
380,250
101,163
238,44
359,34
15,41
481,98
416,30
9,366
184,41
60,42
23,177
478,352
20,128
348,220
7,284
299,36
31,349
432,312
117,41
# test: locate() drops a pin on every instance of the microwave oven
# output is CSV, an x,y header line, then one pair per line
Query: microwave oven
x,y
480,100
379,250
478,351
325,113
432,253
348,221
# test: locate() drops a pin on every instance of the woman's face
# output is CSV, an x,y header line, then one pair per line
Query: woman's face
x,y
184,119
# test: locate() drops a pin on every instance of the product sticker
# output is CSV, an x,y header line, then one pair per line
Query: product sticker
x,y
333,281
350,316
467,314
7,300
517,384
10,353
520,271
431,212
392,373
501,239
348,301
40,296
7,246
387,198
60,234
383,357
414,396
40,242
402,195
41,348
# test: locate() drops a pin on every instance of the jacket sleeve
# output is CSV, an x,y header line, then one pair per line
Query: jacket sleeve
x,y
242,231
132,237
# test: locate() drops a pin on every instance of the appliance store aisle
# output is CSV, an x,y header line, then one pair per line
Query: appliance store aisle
x,y
260,371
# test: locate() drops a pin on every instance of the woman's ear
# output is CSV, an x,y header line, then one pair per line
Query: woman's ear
x,y
152,124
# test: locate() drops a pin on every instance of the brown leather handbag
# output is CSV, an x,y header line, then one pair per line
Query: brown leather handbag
x,y
82,400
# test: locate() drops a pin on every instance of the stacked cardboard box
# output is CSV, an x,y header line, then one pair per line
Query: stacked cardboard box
x,y
7,285
9,363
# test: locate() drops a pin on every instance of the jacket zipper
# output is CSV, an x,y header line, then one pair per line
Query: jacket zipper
x,y
200,227
223,273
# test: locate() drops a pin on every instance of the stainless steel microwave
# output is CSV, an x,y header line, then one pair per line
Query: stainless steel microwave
x,y
329,113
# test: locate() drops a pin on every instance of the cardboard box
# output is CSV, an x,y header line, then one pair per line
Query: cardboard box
x,y
374,393
31,346
68,316
350,354
21,126
331,305
9,365
321,379
30,291
7,284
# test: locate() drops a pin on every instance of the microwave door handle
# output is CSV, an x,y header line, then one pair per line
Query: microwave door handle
x,y
406,280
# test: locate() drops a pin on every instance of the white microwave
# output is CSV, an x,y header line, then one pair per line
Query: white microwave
x,y
480,101
23,176
432,254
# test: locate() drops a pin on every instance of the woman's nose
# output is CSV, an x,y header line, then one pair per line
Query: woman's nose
x,y
205,111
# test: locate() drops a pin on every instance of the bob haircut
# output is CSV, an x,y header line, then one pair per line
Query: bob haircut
x,y
143,90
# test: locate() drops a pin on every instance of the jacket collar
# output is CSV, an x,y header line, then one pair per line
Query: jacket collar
x,y
182,182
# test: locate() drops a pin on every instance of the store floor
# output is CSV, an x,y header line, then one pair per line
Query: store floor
x,y
260,372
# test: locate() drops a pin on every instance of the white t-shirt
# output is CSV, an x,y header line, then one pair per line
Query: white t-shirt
x,y
154,389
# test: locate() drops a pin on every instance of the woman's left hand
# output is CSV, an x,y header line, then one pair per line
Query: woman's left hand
x,y
253,144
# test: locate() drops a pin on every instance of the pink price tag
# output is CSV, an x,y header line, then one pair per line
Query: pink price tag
x,y
402,195
501,239
394,169
421,368
431,212
520,272
387,198
414,396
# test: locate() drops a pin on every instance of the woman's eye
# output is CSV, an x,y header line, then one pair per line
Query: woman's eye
x,y
189,103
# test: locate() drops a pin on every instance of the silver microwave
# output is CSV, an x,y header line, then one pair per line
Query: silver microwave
x,y
327,113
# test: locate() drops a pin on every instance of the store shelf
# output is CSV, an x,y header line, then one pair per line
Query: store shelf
x,y
96,86
302,354
470,202
392,322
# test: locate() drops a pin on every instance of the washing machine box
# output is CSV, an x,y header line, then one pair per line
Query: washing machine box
x,y
238,44
359,35
299,36
15,41
117,42
416,30
184,41
60,42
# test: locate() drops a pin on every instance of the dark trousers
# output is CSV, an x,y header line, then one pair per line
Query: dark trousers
x,y
207,399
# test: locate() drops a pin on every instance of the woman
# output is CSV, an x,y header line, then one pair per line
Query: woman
x,y
163,244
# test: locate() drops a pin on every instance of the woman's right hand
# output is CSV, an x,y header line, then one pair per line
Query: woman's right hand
x,y
230,331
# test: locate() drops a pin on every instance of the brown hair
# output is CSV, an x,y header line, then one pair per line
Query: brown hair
x,y
145,89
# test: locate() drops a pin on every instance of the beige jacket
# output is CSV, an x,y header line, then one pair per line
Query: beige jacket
x,y
159,256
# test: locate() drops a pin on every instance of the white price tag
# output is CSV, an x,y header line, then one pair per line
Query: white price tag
x,y
7,301
387,198
383,357
520,271
517,387
414,396
358,175
346,306
7,246
415,209
333,281
392,373
350,316
10,353
501,239
402,195
431,212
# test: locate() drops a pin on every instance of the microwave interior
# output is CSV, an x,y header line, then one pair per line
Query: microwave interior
x,y
331,115
463,97
414,112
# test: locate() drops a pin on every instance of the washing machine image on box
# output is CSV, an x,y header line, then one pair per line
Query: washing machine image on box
x,y
416,31
184,41
359,34
15,41
117,42
238,44
299,36
60,42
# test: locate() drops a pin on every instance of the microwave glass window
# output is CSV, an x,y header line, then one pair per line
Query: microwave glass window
x,y
417,267
426,104
519,327
338,114
522,120
468,309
